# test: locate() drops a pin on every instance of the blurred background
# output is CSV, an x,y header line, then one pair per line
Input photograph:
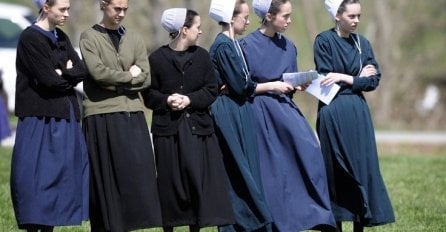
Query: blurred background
x,y
408,37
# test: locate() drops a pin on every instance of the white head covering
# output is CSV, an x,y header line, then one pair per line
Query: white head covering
x,y
39,3
222,10
173,19
332,7
261,7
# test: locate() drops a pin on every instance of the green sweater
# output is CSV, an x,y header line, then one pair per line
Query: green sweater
x,y
109,86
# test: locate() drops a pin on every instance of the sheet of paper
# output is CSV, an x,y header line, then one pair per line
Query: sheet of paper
x,y
323,93
299,78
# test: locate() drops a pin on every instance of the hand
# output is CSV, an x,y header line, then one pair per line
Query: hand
x,y
178,102
224,89
279,87
135,70
333,78
303,87
69,64
368,70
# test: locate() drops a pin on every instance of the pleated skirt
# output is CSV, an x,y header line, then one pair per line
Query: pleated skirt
x,y
49,172
123,189
357,189
192,179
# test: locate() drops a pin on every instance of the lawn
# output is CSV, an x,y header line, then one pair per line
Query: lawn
x,y
416,184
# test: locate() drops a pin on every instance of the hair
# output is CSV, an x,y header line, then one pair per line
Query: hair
x,y
275,8
106,2
342,7
50,3
237,10
190,15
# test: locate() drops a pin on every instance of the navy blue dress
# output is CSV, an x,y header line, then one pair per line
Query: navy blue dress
x,y
347,136
49,167
233,117
291,163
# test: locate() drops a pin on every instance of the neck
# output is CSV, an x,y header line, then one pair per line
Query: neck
x,y
109,26
267,31
228,31
45,25
341,33
178,45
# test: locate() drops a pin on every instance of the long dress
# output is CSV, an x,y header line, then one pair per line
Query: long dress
x,y
291,163
192,180
233,118
49,166
347,136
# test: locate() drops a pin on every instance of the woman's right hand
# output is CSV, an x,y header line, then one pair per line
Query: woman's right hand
x,y
276,87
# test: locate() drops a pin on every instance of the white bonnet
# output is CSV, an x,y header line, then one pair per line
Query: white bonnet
x,y
222,10
173,19
261,7
332,7
39,3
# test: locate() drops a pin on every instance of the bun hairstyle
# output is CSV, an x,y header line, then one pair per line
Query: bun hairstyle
x,y
190,15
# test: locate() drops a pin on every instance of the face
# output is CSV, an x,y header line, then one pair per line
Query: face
x,y
193,32
114,12
282,19
349,20
58,13
241,21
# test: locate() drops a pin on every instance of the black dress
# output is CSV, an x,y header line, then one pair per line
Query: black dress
x,y
191,176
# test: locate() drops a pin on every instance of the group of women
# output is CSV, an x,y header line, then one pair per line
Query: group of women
x,y
230,146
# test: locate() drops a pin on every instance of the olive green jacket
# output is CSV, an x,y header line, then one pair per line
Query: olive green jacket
x,y
109,86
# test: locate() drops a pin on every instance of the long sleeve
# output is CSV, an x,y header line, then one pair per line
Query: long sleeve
x,y
39,64
229,67
103,75
78,72
367,83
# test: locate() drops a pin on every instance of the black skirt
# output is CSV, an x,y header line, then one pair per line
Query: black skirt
x,y
123,189
192,180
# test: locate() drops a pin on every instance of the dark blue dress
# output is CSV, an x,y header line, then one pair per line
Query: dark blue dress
x,y
50,172
233,117
291,163
347,136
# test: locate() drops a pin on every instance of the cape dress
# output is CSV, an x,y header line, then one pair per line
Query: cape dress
x,y
233,117
346,133
291,163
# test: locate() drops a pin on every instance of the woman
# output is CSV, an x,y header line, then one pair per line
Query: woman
x,y
191,175
233,117
291,163
345,126
49,170
123,187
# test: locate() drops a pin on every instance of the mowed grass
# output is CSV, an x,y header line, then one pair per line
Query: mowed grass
x,y
416,184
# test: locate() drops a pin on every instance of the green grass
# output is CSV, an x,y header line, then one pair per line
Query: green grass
x,y
416,184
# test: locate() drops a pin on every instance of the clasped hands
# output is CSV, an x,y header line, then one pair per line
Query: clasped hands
x,y
178,102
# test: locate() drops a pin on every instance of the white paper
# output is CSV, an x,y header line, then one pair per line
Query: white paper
x,y
323,93
299,78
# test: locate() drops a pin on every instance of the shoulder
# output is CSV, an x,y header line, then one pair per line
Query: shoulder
x,y
363,39
199,51
155,55
325,35
249,38
220,42
89,33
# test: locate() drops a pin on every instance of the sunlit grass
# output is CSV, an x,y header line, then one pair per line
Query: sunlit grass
x,y
416,184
